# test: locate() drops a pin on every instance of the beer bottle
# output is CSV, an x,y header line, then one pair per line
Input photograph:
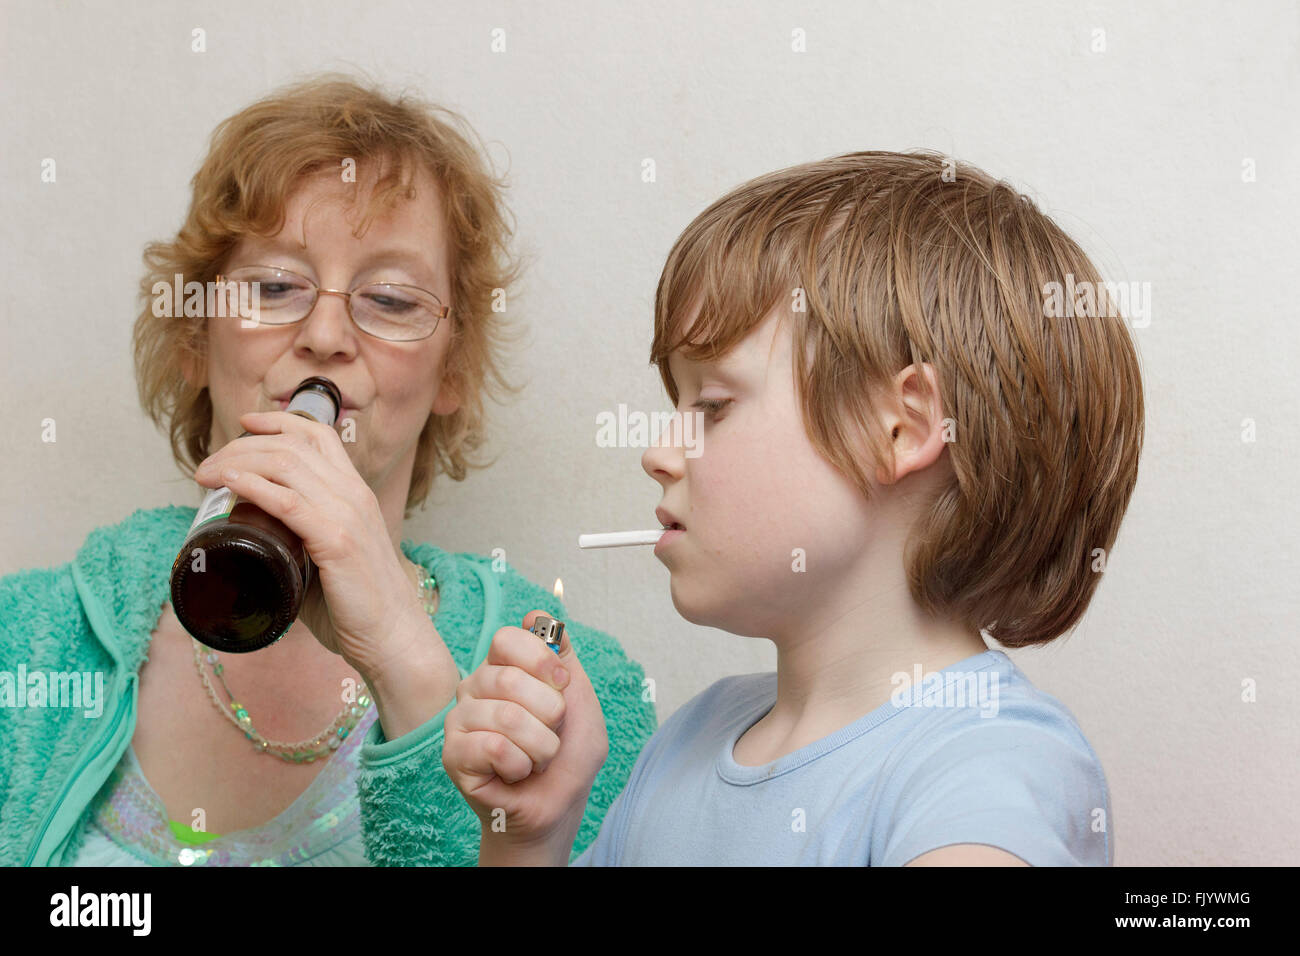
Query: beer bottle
x,y
239,580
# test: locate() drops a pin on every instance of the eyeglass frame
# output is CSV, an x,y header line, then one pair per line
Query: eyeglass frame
x,y
347,298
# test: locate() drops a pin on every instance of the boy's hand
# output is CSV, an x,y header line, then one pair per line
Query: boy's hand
x,y
523,745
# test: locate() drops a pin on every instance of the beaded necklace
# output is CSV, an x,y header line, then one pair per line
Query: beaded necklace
x,y
328,740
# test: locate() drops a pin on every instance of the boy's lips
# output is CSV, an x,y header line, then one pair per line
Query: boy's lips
x,y
667,538
668,519
673,529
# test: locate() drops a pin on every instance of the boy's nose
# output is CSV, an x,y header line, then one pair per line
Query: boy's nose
x,y
663,461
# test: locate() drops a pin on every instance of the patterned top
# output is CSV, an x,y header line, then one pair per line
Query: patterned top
x,y
321,828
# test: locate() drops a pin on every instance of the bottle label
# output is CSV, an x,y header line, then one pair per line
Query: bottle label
x,y
314,404
217,503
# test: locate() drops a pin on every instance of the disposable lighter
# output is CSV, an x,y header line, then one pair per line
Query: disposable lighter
x,y
550,630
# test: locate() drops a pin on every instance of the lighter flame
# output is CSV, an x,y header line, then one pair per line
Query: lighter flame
x,y
559,589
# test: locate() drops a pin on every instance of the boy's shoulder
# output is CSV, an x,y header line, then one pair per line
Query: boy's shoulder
x,y
1005,701
1016,772
991,712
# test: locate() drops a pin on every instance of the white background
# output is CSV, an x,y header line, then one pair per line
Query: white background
x,y
1137,151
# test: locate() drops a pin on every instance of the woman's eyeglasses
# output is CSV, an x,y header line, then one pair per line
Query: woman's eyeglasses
x,y
386,310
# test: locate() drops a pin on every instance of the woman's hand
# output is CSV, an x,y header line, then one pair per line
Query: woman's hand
x,y
362,604
523,745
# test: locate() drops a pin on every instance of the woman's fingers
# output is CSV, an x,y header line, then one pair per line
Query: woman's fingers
x,y
272,456
323,437
281,484
287,477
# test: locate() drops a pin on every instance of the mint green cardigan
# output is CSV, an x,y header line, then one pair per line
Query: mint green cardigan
x,y
97,613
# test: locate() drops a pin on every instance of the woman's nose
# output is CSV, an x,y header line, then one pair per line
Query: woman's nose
x,y
664,460
327,329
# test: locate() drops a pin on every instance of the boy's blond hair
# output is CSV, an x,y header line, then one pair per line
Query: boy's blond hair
x,y
256,160
896,264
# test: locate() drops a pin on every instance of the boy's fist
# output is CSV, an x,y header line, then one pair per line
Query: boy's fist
x,y
524,742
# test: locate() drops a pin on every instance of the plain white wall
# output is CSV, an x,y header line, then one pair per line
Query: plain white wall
x,y
1138,150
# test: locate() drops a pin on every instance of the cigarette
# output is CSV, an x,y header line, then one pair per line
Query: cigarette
x,y
619,539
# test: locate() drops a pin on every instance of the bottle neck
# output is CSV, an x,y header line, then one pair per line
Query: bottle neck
x,y
315,404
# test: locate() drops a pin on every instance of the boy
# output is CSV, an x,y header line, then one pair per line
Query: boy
x,y
907,443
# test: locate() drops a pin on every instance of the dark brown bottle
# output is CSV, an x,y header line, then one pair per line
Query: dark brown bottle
x,y
239,580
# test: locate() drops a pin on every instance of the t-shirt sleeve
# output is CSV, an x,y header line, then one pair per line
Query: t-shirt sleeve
x,y
1030,790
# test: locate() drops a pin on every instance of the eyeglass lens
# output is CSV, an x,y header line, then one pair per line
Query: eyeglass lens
x,y
384,310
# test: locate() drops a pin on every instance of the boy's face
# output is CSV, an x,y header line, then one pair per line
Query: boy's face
x,y
771,526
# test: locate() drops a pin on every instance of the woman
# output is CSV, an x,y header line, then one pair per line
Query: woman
x,y
326,185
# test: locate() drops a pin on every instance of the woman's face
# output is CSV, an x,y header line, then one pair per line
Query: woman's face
x,y
389,388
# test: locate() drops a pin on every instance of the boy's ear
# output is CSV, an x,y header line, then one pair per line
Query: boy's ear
x,y
914,423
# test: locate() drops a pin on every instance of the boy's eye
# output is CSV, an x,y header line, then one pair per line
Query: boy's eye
x,y
712,406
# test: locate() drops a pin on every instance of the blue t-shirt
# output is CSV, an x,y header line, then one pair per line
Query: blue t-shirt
x,y
970,754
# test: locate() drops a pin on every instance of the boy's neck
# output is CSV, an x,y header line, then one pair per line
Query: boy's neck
x,y
841,664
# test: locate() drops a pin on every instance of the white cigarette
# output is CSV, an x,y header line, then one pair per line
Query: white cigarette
x,y
619,539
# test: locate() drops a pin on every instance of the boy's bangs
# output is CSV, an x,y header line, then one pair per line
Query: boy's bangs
x,y
712,294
